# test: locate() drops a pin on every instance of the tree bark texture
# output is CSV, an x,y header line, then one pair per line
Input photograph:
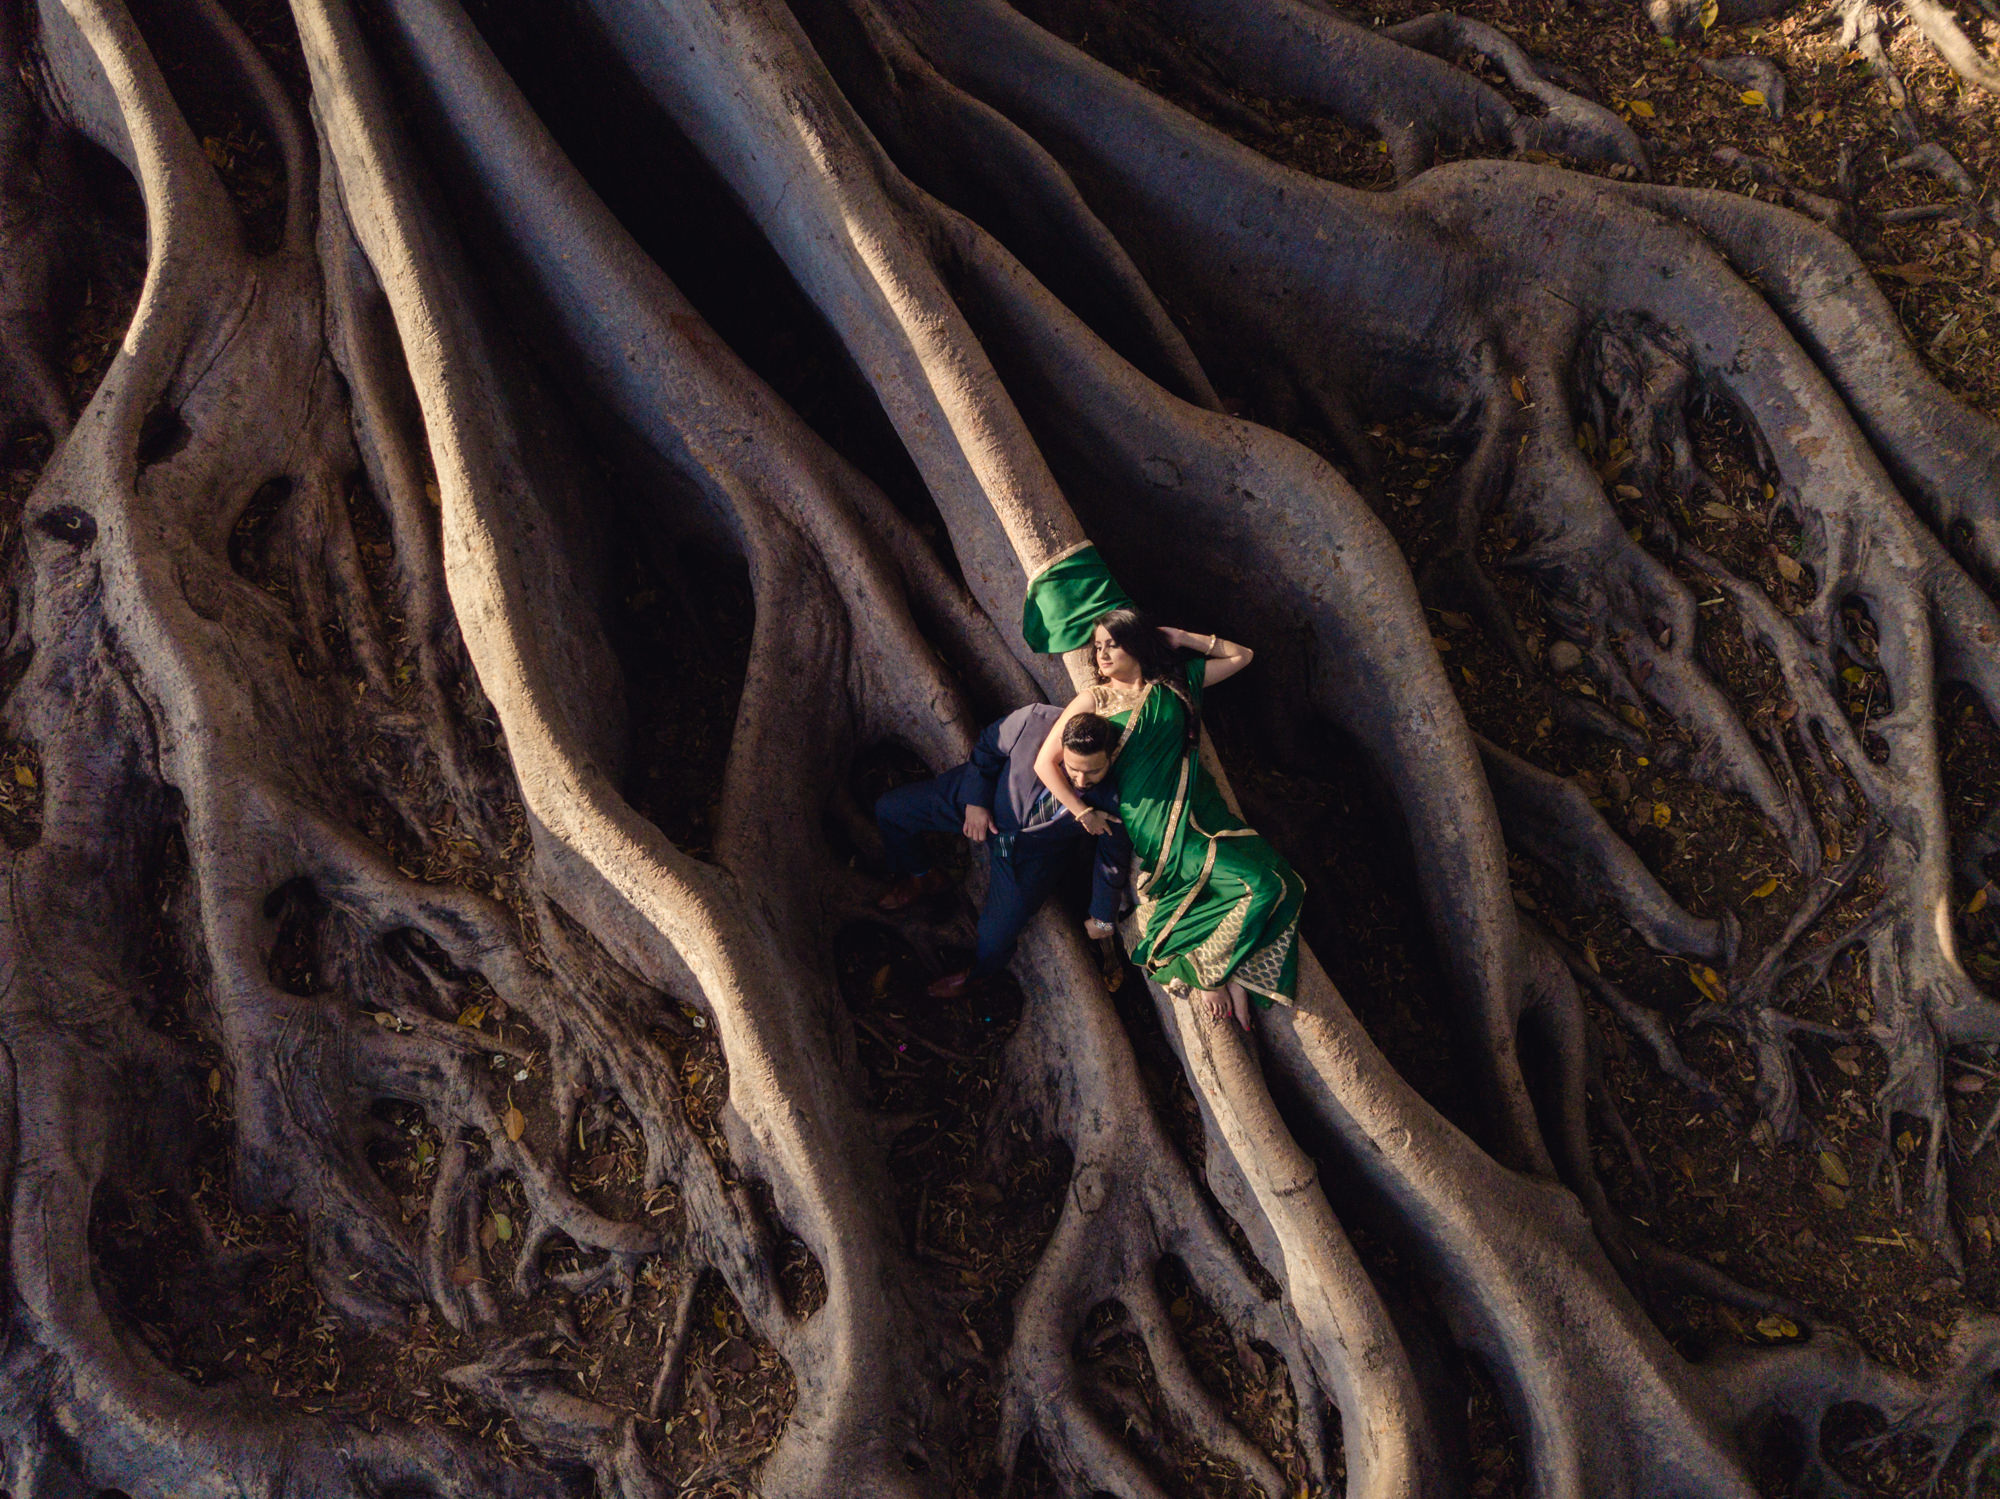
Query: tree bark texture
x,y
311,667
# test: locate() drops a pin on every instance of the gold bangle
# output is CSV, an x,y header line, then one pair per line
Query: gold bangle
x,y
1213,642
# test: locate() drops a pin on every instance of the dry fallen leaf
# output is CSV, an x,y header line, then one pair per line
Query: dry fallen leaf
x,y
1913,273
1753,97
1768,887
1520,390
1977,903
1832,1168
516,1125
1708,981
1642,109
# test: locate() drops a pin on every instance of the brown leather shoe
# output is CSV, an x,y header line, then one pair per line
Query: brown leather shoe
x,y
912,888
952,985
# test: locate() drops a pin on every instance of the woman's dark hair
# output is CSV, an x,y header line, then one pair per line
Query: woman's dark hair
x,y
1133,632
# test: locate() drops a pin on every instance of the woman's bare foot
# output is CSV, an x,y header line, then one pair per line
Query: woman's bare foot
x,y
1214,1003
1240,998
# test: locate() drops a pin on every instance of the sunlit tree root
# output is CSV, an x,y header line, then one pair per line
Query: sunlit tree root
x,y
1115,155
1131,1203
1396,83
231,734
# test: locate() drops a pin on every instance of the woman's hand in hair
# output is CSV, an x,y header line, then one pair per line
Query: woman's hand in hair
x,y
1225,657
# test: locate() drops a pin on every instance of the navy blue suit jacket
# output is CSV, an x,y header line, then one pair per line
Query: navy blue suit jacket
x,y
1001,777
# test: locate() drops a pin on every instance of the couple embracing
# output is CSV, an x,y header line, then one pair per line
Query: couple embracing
x,y
1217,909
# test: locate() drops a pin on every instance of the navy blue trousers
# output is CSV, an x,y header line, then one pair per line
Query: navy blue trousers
x,y
1017,882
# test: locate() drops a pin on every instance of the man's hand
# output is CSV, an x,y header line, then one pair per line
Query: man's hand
x,y
1095,822
1096,929
978,823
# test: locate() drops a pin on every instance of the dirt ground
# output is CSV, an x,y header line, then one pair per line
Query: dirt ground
x,y
1818,1223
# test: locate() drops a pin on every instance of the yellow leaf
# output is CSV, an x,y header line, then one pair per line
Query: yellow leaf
x,y
472,1015
879,985
1834,1196
1977,903
433,493
1753,97
1817,116
1770,493
1832,1168
1642,109
1710,10
1777,1327
516,1125
24,775
1769,885
1906,1142
215,1079
721,1319
503,1227
1708,981
1520,390
1853,675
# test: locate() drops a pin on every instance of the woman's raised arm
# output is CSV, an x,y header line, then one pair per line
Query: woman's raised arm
x,y
1225,657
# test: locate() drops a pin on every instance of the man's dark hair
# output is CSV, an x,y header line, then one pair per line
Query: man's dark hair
x,y
1087,734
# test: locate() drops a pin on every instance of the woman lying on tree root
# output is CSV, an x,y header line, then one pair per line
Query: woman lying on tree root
x,y
1218,908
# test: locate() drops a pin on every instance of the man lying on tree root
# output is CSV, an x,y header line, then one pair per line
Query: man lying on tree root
x,y
997,799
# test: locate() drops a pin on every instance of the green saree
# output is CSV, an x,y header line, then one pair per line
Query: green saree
x,y
1216,902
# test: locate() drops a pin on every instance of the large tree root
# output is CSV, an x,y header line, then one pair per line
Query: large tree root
x,y
1631,329
1057,287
